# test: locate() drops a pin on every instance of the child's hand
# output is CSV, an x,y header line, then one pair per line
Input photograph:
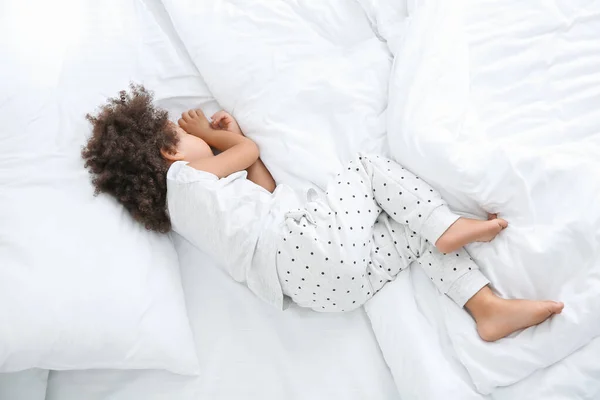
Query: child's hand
x,y
195,123
224,121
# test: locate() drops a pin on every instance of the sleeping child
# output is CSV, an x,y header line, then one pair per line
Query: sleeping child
x,y
330,253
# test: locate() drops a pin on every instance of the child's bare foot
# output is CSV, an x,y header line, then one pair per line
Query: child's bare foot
x,y
467,230
490,228
497,318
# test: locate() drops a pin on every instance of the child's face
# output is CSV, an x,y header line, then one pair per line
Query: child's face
x,y
190,148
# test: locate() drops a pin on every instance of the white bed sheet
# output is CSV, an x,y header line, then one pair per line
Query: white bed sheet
x,y
502,100
248,350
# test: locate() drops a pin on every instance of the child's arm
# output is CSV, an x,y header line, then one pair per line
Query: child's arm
x,y
237,152
257,172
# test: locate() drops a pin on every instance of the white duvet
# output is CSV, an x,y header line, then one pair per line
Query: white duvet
x,y
498,105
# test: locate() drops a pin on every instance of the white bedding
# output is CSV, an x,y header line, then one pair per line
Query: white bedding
x,y
498,105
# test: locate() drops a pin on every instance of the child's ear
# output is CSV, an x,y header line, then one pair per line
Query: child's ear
x,y
171,155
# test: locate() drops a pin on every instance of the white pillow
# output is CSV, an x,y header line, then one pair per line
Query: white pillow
x,y
307,80
81,284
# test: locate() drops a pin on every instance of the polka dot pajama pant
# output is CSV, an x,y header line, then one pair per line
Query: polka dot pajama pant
x,y
375,220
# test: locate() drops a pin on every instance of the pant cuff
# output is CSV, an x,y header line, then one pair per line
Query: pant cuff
x,y
466,287
438,222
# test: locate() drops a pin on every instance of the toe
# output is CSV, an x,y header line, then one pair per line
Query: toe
x,y
553,307
558,307
502,222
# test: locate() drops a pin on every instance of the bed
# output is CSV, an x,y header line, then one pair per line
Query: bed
x,y
473,96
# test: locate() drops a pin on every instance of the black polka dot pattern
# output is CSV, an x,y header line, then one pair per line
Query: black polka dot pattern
x,y
385,209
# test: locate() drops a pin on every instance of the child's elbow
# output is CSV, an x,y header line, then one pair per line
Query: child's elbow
x,y
253,151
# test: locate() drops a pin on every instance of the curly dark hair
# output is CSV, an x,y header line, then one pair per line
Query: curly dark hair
x,y
123,155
